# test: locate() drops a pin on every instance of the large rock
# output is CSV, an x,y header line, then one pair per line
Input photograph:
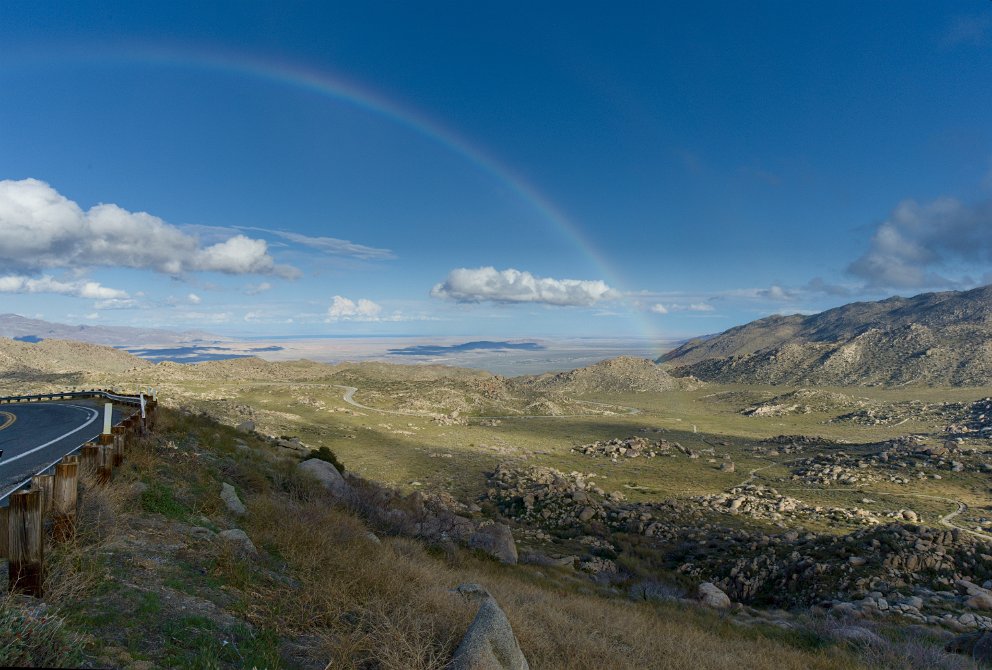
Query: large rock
x,y
326,474
230,498
239,540
246,426
489,643
711,596
980,601
496,540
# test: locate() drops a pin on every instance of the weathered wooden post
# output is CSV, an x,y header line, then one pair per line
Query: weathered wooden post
x,y
25,543
45,484
4,515
105,464
119,433
65,496
88,456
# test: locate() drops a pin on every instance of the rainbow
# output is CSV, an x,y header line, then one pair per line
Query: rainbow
x,y
339,88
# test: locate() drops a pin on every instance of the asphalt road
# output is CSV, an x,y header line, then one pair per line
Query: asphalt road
x,y
36,435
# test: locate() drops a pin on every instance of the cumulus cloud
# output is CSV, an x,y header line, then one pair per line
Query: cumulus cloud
x,y
908,247
343,309
42,229
194,299
48,284
516,286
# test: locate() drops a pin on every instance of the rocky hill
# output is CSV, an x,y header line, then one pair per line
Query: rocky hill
x,y
930,339
25,360
623,374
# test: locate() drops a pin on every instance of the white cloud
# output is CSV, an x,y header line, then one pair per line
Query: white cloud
x,y
916,239
255,289
515,286
93,316
194,299
42,229
116,303
48,284
333,246
659,308
343,309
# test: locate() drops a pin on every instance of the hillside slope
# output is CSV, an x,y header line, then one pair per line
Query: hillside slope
x,y
623,374
933,338
60,357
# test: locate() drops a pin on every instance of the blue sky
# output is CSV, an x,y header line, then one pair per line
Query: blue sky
x,y
488,169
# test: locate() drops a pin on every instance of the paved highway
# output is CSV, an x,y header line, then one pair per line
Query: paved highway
x,y
35,435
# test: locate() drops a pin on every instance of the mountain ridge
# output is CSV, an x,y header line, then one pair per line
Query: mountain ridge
x,y
942,338
26,329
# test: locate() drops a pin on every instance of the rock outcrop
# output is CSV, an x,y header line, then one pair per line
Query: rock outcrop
x,y
326,474
489,642
231,500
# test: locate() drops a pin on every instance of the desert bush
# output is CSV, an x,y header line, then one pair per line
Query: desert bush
x,y
32,637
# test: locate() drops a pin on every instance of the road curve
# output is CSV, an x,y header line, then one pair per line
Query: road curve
x,y
36,435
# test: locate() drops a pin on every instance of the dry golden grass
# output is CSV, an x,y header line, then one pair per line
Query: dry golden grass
x,y
390,605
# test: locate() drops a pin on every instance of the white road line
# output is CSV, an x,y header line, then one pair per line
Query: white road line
x,y
94,415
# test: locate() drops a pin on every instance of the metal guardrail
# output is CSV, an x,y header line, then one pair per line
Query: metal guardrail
x,y
56,496
69,395
139,401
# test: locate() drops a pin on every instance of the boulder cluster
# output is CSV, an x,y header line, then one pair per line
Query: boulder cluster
x,y
766,503
632,447
904,570
975,419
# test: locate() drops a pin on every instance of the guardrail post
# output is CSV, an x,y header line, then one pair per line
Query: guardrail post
x,y
25,543
45,484
4,523
119,434
104,464
89,455
66,495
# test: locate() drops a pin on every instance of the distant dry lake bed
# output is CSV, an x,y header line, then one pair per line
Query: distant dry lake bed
x,y
500,356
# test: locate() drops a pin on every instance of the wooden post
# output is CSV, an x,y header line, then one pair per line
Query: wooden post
x,y
25,544
45,484
65,495
119,435
88,456
105,464
4,513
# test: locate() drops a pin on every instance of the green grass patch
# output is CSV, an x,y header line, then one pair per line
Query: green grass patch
x,y
158,499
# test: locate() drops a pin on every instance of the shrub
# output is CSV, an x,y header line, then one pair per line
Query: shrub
x,y
31,638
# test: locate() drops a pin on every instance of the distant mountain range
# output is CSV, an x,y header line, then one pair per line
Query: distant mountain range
x,y
932,339
20,328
